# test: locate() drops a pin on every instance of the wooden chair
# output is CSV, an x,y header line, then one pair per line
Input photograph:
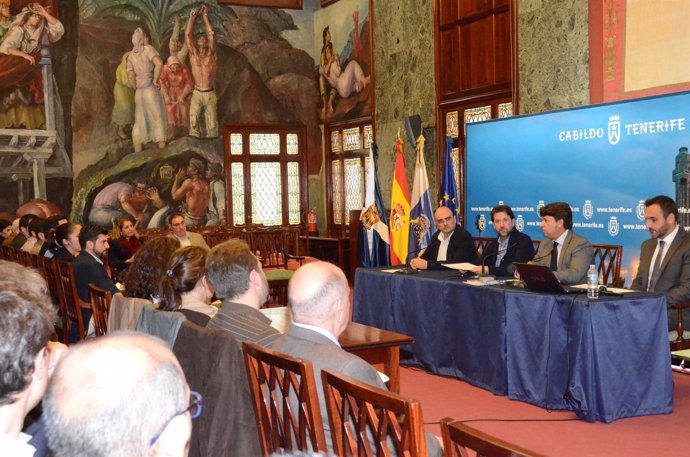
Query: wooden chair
x,y
285,401
275,247
7,253
607,258
69,299
100,305
458,437
480,244
365,420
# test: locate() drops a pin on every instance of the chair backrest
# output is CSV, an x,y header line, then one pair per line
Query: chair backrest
x,y
285,401
365,420
480,244
68,297
607,258
100,305
458,437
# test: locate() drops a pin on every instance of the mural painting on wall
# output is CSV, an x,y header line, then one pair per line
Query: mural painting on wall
x,y
155,82
344,67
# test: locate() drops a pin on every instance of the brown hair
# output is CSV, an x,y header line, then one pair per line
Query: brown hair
x,y
150,262
186,268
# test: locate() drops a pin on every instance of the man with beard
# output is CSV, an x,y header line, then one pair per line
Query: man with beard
x,y
191,185
665,257
204,62
176,87
236,276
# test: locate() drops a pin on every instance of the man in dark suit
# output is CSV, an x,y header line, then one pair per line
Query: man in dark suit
x,y
568,254
89,268
319,297
665,257
450,244
510,246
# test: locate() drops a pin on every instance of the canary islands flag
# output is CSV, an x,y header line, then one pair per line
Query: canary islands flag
x,y
399,220
422,213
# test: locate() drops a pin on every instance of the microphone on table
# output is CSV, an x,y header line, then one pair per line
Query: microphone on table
x,y
542,256
408,270
511,269
499,251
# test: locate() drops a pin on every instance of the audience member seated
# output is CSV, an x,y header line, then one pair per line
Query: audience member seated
x,y
23,235
450,244
67,245
33,244
89,268
27,357
124,243
120,395
143,277
236,276
185,288
319,297
46,234
5,229
178,230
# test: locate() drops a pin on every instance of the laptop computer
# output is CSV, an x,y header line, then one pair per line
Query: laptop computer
x,y
540,278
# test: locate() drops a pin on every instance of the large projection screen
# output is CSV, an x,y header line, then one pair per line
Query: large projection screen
x,y
603,160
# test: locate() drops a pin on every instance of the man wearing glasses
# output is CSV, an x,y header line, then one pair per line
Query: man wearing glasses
x,y
121,394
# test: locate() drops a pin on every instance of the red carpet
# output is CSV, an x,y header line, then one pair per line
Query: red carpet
x,y
662,435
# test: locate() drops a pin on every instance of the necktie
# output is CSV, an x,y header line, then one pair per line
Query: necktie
x,y
554,257
657,264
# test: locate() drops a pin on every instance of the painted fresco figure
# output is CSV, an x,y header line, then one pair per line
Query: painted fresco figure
x,y
216,204
178,48
327,91
345,82
176,87
28,32
204,62
191,185
143,68
123,95
121,199
5,17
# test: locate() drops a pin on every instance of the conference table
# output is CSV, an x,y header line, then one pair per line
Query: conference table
x,y
604,359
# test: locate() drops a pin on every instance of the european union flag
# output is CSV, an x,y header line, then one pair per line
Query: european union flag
x,y
449,188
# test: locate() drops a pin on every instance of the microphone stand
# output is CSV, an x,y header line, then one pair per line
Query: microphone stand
x,y
498,251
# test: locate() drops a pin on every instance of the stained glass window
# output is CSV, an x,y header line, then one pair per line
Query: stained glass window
x,y
351,139
455,157
337,178
266,193
368,136
505,109
292,143
293,193
481,113
236,143
237,172
336,145
452,124
264,143
354,185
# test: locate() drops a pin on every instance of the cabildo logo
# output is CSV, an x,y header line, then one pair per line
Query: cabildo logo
x,y
481,222
613,226
587,209
616,129
640,210
520,223
540,205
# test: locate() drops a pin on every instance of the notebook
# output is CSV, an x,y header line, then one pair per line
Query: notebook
x,y
540,278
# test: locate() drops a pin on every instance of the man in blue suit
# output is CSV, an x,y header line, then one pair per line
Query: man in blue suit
x,y
509,246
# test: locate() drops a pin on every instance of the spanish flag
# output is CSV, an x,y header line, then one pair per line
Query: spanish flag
x,y
399,221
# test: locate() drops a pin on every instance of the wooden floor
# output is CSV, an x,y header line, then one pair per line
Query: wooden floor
x,y
547,432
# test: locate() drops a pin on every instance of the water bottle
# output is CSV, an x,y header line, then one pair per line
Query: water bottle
x,y
592,282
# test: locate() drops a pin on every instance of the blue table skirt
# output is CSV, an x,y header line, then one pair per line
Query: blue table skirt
x,y
604,359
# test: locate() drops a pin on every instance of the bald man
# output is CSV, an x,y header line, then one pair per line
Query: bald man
x,y
319,297
119,395
450,244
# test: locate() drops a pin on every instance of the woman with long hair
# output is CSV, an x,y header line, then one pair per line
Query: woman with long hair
x,y
150,262
67,244
184,286
124,243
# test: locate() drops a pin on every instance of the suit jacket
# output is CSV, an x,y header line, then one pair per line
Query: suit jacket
x,y
674,275
523,251
574,260
460,249
195,238
88,270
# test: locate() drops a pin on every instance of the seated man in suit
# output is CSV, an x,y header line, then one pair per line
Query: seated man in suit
x,y
665,257
120,394
178,230
236,276
450,244
319,297
568,254
510,246
89,268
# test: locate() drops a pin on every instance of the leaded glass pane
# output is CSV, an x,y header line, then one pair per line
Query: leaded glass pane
x,y
264,143
452,124
266,193
293,193
292,143
368,136
354,185
505,109
236,143
481,113
337,177
455,157
336,145
237,172
351,139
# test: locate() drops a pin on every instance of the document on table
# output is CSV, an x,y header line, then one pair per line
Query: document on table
x,y
463,266
616,290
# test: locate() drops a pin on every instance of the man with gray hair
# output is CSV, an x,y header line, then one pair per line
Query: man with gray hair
x,y
319,297
121,395
236,276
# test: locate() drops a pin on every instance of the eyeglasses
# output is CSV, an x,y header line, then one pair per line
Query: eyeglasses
x,y
196,403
